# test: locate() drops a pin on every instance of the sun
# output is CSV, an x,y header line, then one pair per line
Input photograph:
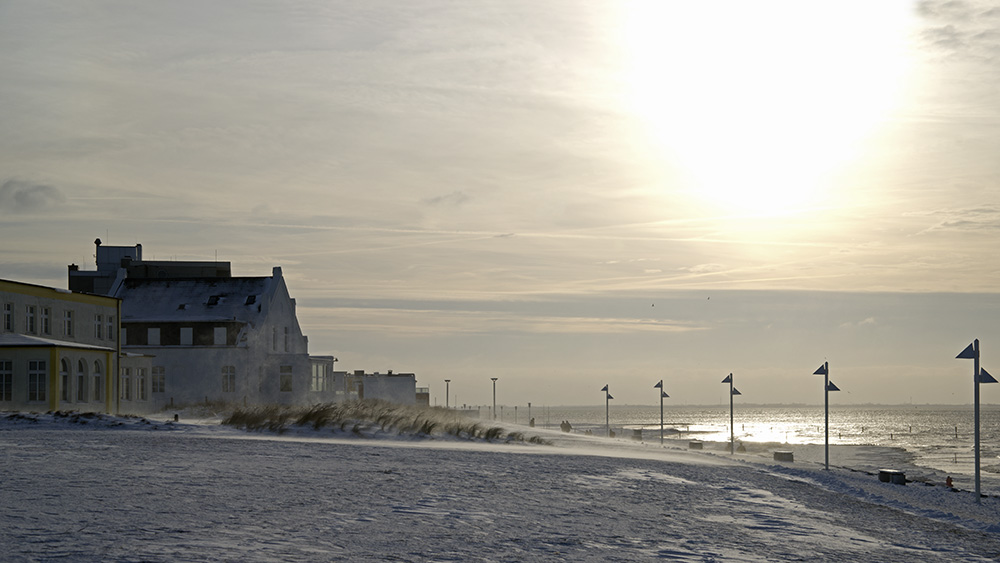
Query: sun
x,y
757,106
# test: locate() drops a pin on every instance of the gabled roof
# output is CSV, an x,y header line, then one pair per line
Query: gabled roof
x,y
193,300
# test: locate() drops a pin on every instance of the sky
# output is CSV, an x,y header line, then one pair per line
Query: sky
x,y
562,194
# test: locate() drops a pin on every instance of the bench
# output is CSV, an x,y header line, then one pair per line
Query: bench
x,y
782,455
694,445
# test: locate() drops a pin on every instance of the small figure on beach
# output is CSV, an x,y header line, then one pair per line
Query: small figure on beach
x,y
947,482
565,426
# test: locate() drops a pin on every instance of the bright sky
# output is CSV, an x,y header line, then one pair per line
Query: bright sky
x,y
558,194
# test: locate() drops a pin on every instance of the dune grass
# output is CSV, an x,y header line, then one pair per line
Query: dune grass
x,y
370,418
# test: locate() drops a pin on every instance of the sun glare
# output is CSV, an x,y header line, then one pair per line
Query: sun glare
x,y
758,105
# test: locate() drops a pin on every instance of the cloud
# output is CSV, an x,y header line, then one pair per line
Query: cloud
x,y
705,268
962,29
984,218
18,196
865,322
453,198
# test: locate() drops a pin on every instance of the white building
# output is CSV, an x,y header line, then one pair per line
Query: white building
x,y
393,387
228,339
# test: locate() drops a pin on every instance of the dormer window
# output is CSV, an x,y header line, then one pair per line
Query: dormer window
x,y
213,300
251,299
182,306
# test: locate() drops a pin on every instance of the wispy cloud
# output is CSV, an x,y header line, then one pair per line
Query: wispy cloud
x,y
985,218
19,196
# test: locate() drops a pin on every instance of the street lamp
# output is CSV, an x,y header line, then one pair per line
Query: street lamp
x,y
446,391
663,395
607,409
828,386
494,379
732,429
979,375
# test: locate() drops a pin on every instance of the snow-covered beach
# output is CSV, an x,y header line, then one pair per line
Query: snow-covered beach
x,y
132,489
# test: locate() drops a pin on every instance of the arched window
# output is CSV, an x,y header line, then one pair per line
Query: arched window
x,y
81,381
98,381
64,373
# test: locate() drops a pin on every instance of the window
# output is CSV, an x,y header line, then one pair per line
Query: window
x,y
64,381
37,376
159,382
319,380
8,317
274,339
110,327
153,337
219,336
6,380
98,326
68,323
286,339
126,384
187,336
98,380
228,379
141,384
81,382
29,319
46,320
285,379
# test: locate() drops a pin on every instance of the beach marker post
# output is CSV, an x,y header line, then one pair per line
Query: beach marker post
x,y
447,385
732,428
663,395
828,386
494,379
979,375
607,409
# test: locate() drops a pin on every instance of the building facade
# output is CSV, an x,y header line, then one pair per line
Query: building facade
x,y
58,350
234,340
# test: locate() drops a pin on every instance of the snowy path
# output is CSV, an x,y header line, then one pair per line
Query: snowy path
x,y
201,493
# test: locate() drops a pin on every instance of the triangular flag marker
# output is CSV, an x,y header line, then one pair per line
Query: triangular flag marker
x,y
728,379
821,370
832,387
985,377
605,388
968,354
736,391
659,385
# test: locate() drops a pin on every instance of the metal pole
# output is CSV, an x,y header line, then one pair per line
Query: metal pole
x,y
494,379
826,399
732,427
447,392
661,412
975,379
607,410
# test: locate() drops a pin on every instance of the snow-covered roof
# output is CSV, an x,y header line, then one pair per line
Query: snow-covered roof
x,y
193,300
25,341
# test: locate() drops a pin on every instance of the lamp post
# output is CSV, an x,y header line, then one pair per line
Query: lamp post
x,y
979,375
607,409
494,379
447,387
828,386
732,429
663,395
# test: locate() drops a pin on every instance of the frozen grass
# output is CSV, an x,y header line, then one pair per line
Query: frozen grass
x,y
372,418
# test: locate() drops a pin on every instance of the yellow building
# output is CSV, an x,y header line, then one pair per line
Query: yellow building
x,y
59,350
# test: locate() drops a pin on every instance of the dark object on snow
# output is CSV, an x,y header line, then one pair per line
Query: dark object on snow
x,y
784,456
894,476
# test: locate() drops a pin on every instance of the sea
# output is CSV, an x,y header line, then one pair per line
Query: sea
x,y
930,442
